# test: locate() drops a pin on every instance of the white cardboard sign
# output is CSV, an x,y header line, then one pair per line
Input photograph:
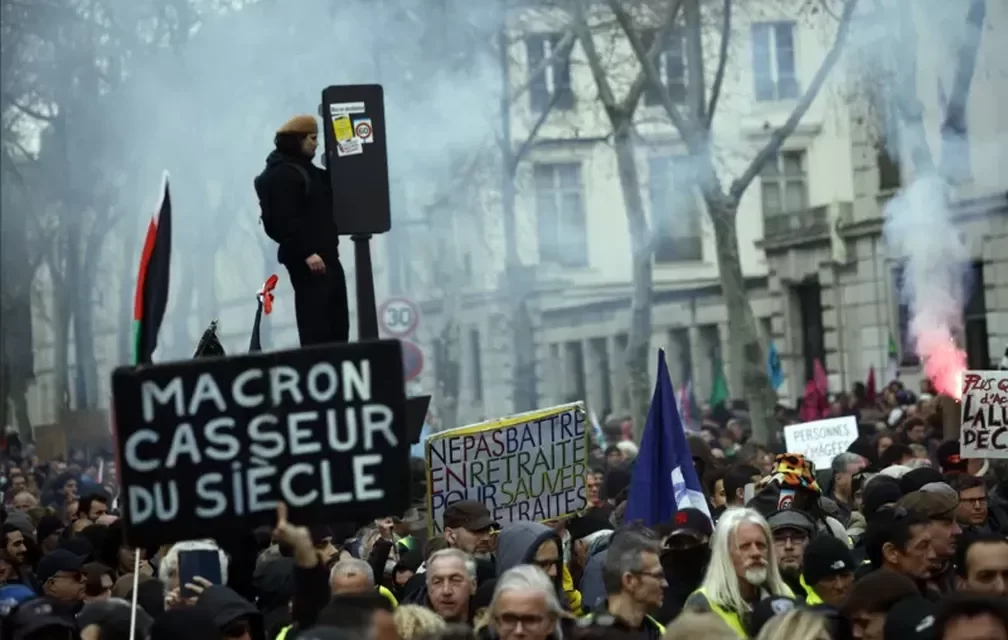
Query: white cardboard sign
x,y
820,441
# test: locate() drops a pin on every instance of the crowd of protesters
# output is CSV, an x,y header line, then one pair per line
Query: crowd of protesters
x,y
900,539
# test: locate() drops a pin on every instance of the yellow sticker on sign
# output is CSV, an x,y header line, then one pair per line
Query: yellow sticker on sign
x,y
342,128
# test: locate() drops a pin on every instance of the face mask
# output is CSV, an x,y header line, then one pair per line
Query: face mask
x,y
690,563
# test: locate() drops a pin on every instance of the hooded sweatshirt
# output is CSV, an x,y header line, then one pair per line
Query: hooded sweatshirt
x,y
517,544
592,587
226,606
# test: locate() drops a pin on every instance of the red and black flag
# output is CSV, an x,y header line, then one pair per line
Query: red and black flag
x,y
264,299
152,280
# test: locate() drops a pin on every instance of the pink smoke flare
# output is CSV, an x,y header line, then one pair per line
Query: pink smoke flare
x,y
944,363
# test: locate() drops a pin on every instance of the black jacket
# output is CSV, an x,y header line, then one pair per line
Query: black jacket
x,y
227,606
300,214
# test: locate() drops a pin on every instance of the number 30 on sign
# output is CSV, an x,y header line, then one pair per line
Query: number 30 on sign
x,y
398,317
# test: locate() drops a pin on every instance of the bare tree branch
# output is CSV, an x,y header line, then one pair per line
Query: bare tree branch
x,y
689,134
779,135
533,133
722,63
908,105
583,33
560,52
953,130
695,64
31,113
640,83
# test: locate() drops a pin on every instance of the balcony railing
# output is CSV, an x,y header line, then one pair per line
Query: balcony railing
x,y
810,221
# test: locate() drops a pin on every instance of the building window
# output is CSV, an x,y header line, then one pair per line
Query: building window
x,y
554,80
907,355
671,66
784,185
622,342
576,373
675,211
774,61
602,372
563,236
477,365
976,341
808,295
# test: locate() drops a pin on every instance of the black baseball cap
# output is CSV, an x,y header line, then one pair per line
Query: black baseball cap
x,y
792,519
769,608
56,561
910,619
38,615
690,522
469,515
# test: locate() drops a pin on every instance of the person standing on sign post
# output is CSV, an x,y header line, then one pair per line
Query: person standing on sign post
x,y
295,198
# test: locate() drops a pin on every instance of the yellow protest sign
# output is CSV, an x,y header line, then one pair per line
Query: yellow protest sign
x,y
529,466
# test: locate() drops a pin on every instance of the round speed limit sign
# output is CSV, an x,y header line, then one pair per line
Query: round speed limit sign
x,y
398,317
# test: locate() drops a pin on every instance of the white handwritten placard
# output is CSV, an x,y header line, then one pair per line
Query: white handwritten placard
x,y
526,467
822,440
984,432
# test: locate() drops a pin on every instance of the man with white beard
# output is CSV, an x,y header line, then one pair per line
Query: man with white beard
x,y
742,570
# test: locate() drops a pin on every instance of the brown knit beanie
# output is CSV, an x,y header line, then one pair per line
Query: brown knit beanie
x,y
303,124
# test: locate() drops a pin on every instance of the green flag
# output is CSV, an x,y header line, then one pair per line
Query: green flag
x,y
892,360
719,390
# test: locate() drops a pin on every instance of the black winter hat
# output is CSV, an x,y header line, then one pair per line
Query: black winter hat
x,y
592,521
914,479
48,525
615,484
826,556
880,491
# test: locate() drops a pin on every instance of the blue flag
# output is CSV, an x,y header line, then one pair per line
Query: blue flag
x,y
774,369
664,479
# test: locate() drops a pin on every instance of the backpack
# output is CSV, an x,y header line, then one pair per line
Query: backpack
x,y
267,217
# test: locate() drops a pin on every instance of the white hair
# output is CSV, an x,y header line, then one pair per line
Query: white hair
x,y
453,554
530,579
628,449
169,564
721,583
352,566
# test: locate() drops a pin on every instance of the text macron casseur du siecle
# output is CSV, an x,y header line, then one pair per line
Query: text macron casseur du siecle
x,y
529,471
279,428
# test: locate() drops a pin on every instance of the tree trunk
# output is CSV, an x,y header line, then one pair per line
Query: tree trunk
x,y
743,336
84,338
639,335
449,373
124,332
61,342
84,349
518,285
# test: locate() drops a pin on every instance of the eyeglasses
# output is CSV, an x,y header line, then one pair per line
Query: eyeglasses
x,y
977,502
531,622
794,537
546,564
